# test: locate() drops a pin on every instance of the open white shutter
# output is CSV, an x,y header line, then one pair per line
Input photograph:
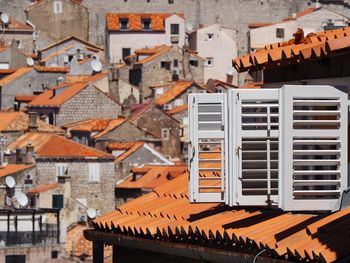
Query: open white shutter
x,y
313,147
207,147
254,139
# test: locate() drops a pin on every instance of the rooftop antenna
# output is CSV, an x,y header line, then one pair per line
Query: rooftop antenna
x,y
91,213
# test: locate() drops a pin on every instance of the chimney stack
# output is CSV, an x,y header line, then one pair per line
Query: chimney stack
x,y
30,154
33,121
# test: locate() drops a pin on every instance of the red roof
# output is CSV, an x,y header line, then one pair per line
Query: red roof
x,y
166,215
11,169
54,146
17,26
41,188
157,20
128,147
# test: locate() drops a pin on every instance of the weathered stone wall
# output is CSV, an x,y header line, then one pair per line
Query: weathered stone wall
x,y
89,103
99,195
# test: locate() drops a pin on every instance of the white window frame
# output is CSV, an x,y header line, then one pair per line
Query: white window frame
x,y
61,169
94,172
57,7
4,65
165,134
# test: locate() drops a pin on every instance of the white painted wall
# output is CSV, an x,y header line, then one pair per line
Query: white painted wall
x,y
222,48
138,40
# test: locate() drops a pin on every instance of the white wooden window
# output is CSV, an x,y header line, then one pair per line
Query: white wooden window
x,y
207,147
165,133
314,148
179,102
94,172
57,7
61,169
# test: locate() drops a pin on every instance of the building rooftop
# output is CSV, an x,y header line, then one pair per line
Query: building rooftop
x,y
169,217
15,25
178,109
41,188
128,147
11,169
84,42
54,146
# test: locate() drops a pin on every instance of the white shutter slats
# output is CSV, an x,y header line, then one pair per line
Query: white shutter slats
x,y
314,131
207,132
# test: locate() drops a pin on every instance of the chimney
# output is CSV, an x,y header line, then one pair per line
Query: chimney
x,y
33,121
186,63
229,78
30,154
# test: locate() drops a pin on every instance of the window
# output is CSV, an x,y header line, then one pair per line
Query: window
x,y
209,62
61,169
4,65
57,7
167,106
174,29
124,24
159,91
15,259
280,32
179,102
170,1
194,63
165,133
176,63
54,254
210,36
165,64
57,201
94,172
126,52
146,23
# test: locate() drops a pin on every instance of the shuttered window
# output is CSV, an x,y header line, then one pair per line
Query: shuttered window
x,y
94,172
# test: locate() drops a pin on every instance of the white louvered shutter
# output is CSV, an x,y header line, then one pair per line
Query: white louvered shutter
x,y
254,139
207,147
313,147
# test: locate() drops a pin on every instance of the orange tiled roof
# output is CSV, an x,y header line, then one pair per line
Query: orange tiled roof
x,y
297,50
17,26
19,121
53,146
47,98
223,84
259,24
302,13
51,69
129,147
153,53
153,176
25,98
177,109
86,78
7,71
10,169
169,217
179,88
135,20
86,43
41,188
252,85
18,73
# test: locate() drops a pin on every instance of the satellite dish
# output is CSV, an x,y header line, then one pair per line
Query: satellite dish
x,y
10,182
21,198
30,62
4,18
230,71
189,26
91,213
96,65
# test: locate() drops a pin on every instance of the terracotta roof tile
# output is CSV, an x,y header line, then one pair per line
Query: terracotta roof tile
x,y
169,217
252,85
19,121
18,26
179,88
87,78
18,73
86,43
129,147
302,13
25,98
153,54
51,69
54,146
157,20
11,169
41,188
177,109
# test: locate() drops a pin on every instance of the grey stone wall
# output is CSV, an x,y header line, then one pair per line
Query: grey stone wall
x,y
99,195
89,103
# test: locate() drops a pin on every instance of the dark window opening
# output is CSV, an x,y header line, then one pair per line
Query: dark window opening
x,y
170,1
126,52
146,23
280,32
175,77
57,201
194,63
175,29
15,259
51,119
165,64
124,23
54,254
135,76
176,63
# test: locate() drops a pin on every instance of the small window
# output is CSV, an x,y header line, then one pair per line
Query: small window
x,y
210,37
124,24
165,64
174,29
54,254
194,63
61,169
15,259
167,106
170,1
146,23
94,172
57,201
179,102
209,62
280,32
57,7
4,65
165,134
159,91
176,63
126,52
